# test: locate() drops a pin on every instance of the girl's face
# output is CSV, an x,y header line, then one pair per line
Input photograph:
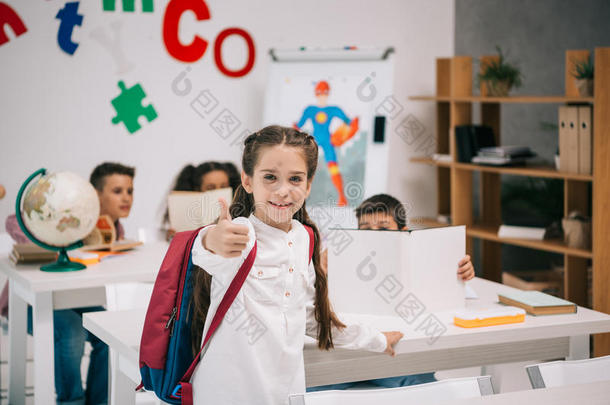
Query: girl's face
x,y
279,185
214,180
117,196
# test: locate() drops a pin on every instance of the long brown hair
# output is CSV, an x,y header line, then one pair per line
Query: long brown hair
x,y
243,206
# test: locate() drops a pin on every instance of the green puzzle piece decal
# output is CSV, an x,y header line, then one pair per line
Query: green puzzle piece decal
x,y
129,108
128,5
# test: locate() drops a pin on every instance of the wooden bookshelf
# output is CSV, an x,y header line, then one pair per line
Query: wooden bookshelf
x,y
507,100
488,232
454,102
530,171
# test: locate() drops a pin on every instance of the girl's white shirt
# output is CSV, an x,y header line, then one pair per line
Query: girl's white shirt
x,y
256,354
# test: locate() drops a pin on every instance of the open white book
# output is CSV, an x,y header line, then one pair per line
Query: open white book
x,y
190,210
390,272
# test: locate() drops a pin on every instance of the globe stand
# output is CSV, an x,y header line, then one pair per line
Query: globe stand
x,y
63,263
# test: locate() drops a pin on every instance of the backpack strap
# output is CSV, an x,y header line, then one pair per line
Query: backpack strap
x,y
311,240
184,389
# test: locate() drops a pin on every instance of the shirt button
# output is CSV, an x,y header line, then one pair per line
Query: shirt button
x,y
260,273
287,293
290,244
290,270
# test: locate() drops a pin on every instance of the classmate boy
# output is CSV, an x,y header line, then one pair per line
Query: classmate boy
x,y
384,212
114,185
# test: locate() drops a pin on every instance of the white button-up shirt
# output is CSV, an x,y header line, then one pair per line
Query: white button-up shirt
x,y
256,354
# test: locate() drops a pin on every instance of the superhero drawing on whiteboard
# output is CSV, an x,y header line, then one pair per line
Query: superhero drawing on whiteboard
x,y
321,116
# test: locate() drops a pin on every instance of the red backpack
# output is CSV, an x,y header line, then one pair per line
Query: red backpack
x,y
166,359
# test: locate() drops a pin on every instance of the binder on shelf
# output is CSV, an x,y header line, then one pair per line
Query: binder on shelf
x,y
568,139
470,138
585,140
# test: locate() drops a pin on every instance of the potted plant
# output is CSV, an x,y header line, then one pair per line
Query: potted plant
x,y
583,76
500,76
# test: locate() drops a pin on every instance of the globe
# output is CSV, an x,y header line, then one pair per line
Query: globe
x,y
56,212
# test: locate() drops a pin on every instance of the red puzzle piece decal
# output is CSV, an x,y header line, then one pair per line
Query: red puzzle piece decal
x,y
9,17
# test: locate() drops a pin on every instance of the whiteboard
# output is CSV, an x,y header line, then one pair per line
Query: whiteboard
x,y
363,163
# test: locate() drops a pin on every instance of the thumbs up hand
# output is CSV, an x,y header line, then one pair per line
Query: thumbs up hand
x,y
226,238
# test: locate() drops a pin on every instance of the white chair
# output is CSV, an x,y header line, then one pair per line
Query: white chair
x,y
560,373
455,388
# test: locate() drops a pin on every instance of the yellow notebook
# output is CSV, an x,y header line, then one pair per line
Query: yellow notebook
x,y
469,318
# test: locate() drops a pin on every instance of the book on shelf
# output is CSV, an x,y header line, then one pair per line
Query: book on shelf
x,y
498,160
507,151
444,218
537,303
442,157
568,139
521,232
547,281
503,155
585,140
31,253
575,139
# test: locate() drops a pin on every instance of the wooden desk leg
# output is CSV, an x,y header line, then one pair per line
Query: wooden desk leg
x,y
579,347
44,365
17,324
122,388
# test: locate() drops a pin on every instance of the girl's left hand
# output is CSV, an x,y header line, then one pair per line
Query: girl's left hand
x,y
466,269
392,338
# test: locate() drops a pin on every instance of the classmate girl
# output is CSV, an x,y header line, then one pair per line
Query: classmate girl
x,y
205,177
256,354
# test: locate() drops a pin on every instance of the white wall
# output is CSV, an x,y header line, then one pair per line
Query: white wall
x,y
55,109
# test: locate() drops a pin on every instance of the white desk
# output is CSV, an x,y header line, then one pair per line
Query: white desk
x,y
46,291
121,331
538,338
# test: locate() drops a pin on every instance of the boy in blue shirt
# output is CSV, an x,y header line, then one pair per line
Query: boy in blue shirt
x,y
114,185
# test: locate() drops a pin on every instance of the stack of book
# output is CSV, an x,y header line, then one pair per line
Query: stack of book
x,y
503,155
31,253
521,232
